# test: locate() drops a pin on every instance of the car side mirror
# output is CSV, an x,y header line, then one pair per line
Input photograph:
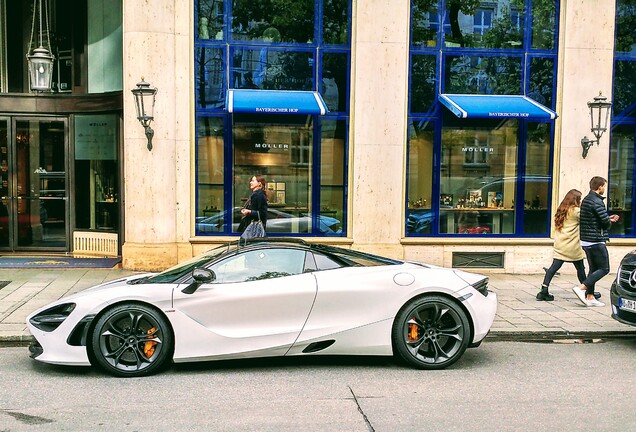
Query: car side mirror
x,y
200,276
203,275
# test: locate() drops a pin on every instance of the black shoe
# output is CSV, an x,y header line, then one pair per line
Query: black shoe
x,y
597,295
544,295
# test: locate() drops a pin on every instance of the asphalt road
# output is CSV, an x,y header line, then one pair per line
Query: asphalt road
x,y
501,386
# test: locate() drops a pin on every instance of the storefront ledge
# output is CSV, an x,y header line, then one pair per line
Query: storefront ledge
x,y
622,242
485,241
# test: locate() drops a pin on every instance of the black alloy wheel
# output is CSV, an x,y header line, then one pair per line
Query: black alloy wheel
x,y
431,332
132,340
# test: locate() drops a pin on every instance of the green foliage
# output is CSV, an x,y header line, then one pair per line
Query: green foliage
x,y
626,25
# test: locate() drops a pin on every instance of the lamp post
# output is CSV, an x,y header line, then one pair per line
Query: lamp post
x,y
599,112
145,105
40,59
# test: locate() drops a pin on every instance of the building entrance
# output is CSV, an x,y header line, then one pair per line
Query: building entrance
x,y
34,186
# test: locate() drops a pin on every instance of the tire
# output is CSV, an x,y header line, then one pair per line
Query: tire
x,y
431,332
132,340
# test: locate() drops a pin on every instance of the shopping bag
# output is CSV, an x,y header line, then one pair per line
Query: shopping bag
x,y
254,230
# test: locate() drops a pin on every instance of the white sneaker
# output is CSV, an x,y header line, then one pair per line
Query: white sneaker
x,y
594,302
580,294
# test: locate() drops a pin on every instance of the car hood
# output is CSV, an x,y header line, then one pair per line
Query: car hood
x,y
117,290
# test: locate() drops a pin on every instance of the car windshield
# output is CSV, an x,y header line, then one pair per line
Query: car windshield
x,y
174,273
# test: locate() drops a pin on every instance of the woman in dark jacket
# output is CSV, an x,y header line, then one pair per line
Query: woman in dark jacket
x,y
256,205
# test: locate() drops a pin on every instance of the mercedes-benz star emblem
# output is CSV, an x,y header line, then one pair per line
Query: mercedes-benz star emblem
x,y
632,279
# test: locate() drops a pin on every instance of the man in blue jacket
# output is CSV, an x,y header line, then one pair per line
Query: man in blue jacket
x,y
595,223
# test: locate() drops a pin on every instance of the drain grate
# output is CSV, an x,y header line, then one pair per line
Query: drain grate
x,y
4,284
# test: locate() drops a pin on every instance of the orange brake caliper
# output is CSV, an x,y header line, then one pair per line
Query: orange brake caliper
x,y
413,332
149,346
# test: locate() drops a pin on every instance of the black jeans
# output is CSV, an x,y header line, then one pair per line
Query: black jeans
x,y
556,265
598,260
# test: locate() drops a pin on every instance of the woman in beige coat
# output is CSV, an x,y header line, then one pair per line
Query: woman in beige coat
x,y
567,243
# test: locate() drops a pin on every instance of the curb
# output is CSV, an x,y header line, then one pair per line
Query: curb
x,y
495,336
563,335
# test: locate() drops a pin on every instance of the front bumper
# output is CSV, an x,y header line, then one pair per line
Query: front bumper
x,y
483,309
620,315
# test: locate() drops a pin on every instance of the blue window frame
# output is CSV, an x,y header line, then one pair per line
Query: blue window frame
x,y
621,193
480,177
248,44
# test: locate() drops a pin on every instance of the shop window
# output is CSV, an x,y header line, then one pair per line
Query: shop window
x,y
480,176
333,146
537,186
479,197
279,148
621,190
420,172
97,193
303,158
210,211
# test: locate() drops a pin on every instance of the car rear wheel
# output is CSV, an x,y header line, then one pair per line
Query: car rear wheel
x,y
132,340
431,332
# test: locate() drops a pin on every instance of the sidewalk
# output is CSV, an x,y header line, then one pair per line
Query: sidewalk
x,y
519,315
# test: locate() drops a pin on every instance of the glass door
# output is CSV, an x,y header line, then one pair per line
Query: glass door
x,y
34,184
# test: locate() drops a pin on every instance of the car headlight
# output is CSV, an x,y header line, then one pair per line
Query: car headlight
x,y
482,287
50,319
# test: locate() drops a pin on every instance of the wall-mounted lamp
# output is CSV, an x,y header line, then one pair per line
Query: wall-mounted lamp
x,y
40,59
145,104
599,110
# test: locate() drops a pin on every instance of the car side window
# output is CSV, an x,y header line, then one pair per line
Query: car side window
x,y
323,262
259,264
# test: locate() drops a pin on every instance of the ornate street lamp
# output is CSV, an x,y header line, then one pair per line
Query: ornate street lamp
x,y
599,112
145,105
40,59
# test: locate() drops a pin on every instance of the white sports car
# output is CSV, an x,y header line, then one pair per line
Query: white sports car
x,y
268,297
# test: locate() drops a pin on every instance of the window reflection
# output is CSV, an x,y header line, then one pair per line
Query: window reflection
x,y
210,25
624,89
420,171
273,21
483,75
423,83
209,77
272,69
260,264
209,157
544,24
493,24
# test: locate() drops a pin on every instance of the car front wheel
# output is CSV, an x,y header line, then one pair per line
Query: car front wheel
x,y
431,332
132,340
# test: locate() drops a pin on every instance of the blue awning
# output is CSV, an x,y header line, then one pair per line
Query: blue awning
x,y
496,106
275,102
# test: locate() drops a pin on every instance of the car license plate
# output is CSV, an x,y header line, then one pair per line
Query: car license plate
x,y
626,304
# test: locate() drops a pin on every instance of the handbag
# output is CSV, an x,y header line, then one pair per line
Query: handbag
x,y
254,230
